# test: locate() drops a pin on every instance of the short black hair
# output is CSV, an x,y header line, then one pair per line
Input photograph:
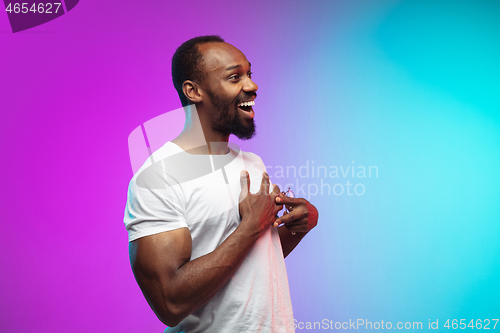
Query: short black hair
x,y
186,63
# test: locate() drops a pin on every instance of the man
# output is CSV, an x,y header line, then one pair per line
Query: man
x,y
205,245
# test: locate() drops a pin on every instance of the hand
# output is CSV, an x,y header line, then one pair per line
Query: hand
x,y
258,211
303,216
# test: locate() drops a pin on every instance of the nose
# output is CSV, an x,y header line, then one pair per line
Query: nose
x,y
250,86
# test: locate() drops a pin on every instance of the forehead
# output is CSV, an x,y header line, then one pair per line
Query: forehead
x,y
217,56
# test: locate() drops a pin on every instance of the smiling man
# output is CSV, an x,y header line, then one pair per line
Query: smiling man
x,y
206,246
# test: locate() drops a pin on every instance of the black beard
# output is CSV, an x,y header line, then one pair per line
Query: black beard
x,y
226,125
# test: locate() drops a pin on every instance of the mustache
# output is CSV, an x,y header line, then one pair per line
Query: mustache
x,y
245,97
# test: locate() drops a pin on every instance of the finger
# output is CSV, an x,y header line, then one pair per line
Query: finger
x,y
279,222
295,229
245,184
284,200
276,189
264,185
296,222
275,194
284,219
292,201
292,217
296,226
280,199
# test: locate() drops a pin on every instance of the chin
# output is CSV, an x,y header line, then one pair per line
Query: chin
x,y
245,135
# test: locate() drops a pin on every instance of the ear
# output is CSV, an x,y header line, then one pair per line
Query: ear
x,y
192,91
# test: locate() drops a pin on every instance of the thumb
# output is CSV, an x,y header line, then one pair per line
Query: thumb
x,y
245,184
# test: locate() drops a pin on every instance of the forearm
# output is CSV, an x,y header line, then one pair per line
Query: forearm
x,y
289,241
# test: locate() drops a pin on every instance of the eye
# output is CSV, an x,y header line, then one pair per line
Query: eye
x,y
234,77
250,74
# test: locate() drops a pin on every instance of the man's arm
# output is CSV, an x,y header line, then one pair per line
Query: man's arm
x,y
295,225
176,286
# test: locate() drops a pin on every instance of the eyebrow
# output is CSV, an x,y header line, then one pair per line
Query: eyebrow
x,y
236,66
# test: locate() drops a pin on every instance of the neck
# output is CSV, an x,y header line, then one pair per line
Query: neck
x,y
197,137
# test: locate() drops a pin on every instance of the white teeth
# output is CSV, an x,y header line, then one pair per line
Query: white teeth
x,y
247,103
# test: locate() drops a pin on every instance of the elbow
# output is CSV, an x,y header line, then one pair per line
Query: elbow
x,y
170,307
172,314
170,320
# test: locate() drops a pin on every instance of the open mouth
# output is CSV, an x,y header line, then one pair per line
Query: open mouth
x,y
246,106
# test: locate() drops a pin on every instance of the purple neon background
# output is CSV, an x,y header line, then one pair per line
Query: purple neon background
x,y
72,90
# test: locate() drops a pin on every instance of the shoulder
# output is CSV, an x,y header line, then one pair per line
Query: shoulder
x,y
154,173
252,160
167,150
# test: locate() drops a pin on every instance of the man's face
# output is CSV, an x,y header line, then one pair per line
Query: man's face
x,y
230,89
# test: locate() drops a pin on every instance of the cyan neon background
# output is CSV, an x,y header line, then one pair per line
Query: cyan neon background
x,y
411,87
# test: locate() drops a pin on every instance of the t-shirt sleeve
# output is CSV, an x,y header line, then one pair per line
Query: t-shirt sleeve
x,y
153,205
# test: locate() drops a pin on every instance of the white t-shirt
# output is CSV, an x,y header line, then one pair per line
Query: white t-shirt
x,y
175,189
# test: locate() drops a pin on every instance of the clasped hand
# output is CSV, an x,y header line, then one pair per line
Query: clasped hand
x,y
262,207
301,217
258,211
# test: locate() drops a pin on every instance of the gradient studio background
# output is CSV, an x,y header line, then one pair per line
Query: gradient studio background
x,y
411,87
